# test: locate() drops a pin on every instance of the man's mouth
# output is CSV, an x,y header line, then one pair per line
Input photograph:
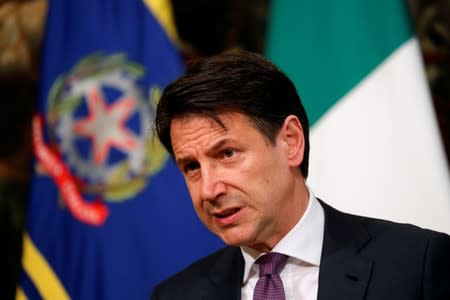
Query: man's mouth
x,y
226,213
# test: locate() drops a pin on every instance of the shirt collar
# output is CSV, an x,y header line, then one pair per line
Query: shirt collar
x,y
303,242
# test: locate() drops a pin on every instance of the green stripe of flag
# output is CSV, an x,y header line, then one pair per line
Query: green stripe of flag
x,y
326,47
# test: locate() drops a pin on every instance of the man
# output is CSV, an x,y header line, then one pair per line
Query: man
x,y
237,130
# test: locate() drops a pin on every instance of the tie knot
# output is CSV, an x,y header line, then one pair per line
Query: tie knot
x,y
271,263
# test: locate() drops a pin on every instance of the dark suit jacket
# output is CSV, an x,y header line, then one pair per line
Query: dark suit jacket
x,y
362,258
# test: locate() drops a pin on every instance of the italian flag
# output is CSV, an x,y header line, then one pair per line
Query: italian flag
x,y
375,145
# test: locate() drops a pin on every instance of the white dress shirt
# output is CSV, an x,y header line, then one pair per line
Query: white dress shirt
x,y
303,245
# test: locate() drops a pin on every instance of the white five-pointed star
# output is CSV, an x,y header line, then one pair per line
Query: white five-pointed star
x,y
105,125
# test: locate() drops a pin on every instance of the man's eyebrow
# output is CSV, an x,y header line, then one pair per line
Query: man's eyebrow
x,y
217,146
211,151
183,160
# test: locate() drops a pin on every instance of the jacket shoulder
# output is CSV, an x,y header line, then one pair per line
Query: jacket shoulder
x,y
377,228
403,261
197,277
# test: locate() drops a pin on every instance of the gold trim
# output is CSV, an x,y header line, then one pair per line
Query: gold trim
x,y
20,295
41,273
163,12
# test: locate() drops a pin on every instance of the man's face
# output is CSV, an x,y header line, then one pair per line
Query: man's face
x,y
240,184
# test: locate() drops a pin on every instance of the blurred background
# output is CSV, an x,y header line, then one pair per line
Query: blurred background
x,y
205,27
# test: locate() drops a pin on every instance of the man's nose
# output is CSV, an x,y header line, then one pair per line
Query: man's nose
x,y
212,184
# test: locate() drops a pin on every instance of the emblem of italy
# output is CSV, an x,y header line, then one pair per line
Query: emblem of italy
x,y
99,120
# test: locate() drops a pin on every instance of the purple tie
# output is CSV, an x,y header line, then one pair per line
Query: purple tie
x,y
269,285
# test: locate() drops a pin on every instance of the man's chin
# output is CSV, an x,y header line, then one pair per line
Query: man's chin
x,y
235,239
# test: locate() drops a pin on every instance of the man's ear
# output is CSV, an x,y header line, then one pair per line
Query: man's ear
x,y
292,134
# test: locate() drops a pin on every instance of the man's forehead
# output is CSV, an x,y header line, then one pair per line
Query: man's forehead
x,y
184,128
190,132
213,119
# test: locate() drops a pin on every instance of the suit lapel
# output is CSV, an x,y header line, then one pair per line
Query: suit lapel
x,y
226,275
343,273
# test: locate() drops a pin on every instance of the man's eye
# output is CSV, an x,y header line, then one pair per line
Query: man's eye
x,y
192,166
229,152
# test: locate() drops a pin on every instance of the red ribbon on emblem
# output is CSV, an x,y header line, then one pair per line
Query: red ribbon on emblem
x,y
91,213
